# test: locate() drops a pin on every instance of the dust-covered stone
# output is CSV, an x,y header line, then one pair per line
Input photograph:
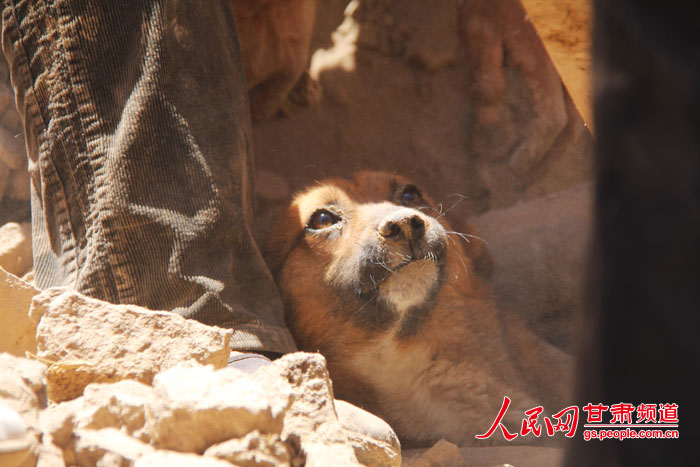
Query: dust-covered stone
x,y
313,406
254,450
109,446
95,341
17,329
196,407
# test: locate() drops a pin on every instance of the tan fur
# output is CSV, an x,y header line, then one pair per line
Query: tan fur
x,y
445,375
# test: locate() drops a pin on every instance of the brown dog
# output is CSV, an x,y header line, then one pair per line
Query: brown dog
x,y
373,278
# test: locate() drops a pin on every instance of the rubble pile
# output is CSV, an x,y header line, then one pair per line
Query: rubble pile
x,y
108,384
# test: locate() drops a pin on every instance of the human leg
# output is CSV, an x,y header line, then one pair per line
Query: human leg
x,y
140,155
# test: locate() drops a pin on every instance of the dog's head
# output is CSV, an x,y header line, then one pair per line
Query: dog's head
x,y
372,250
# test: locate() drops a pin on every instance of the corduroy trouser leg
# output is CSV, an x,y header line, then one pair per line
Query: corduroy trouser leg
x,y
139,142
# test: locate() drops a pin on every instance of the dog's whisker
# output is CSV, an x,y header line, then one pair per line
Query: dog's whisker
x,y
466,273
460,235
382,264
454,205
423,208
465,236
464,266
365,304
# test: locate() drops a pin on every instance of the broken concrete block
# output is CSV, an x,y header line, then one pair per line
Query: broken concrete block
x,y
195,407
95,341
108,446
17,329
49,455
374,441
18,396
254,450
118,405
31,371
306,377
58,421
18,420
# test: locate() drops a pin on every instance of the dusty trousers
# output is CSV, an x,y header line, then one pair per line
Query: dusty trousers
x,y
140,154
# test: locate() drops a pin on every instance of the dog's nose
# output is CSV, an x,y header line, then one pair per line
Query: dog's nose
x,y
403,226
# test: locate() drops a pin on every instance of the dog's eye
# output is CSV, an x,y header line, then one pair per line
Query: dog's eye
x,y
322,219
410,195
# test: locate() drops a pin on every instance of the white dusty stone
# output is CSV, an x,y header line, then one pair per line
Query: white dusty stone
x,y
95,341
31,371
19,396
49,455
239,417
104,406
311,416
320,454
374,441
118,405
109,446
196,407
254,450
11,424
17,329
59,421
176,459
19,410
16,247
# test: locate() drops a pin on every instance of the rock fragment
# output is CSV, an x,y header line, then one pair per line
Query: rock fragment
x,y
119,405
17,391
49,455
108,446
373,440
194,408
17,329
95,341
313,406
31,371
254,450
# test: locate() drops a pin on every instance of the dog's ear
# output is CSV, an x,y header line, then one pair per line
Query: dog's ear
x,y
280,240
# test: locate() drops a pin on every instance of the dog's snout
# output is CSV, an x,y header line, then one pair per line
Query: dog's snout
x,y
405,226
